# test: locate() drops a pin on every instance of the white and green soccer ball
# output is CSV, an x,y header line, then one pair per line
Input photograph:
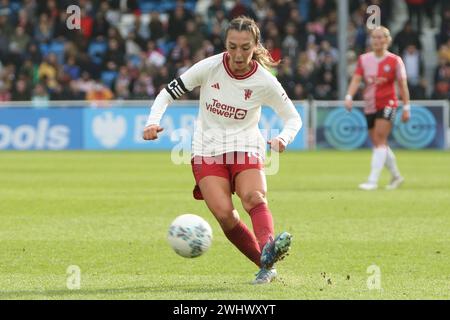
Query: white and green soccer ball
x,y
190,235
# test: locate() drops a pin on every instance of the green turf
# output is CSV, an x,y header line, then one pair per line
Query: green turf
x,y
108,213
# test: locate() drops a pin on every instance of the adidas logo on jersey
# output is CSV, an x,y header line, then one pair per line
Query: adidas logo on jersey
x,y
216,86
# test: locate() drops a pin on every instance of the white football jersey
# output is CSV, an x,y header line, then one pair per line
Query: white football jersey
x,y
230,106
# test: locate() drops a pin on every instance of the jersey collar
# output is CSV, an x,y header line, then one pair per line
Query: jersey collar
x,y
238,76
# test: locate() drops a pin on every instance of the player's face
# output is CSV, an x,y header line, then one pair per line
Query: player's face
x,y
378,40
241,46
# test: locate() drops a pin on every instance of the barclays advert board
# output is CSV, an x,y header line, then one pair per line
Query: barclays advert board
x,y
41,129
114,128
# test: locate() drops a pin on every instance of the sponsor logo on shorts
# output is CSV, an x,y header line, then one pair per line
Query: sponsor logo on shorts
x,y
389,113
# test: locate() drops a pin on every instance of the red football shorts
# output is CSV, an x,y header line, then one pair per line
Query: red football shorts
x,y
226,165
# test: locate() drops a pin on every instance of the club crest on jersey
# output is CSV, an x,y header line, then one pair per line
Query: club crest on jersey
x,y
247,94
387,68
215,86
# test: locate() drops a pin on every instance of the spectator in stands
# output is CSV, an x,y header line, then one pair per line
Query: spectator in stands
x,y
5,32
286,75
296,31
444,32
21,91
144,86
177,21
18,42
320,9
84,84
193,36
33,53
442,71
216,5
156,27
141,29
407,36
71,68
215,37
441,91
44,31
220,19
114,53
155,57
28,71
260,8
180,51
24,21
133,45
48,70
100,26
99,92
290,45
5,94
40,96
162,78
415,11
414,71
240,9
273,48
123,79
444,51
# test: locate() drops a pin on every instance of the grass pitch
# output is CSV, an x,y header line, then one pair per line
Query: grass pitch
x,y
108,214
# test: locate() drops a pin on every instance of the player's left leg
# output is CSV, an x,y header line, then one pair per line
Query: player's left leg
x,y
251,187
391,164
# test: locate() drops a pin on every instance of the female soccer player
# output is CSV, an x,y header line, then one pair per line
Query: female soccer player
x,y
228,147
380,69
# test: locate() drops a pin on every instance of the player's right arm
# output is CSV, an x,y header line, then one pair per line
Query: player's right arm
x,y
352,89
192,78
354,85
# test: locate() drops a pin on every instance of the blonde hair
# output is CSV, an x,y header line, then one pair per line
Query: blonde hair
x,y
261,54
386,33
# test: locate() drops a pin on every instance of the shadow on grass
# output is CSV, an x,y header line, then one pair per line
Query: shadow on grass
x,y
67,294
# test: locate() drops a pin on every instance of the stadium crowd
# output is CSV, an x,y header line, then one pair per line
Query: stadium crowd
x,y
132,49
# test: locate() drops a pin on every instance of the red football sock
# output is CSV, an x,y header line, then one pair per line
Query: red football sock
x,y
245,241
262,223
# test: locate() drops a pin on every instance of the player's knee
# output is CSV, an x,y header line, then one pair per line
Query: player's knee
x,y
378,140
227,218
253,198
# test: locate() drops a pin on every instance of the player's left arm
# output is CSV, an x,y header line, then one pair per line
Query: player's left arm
x,y
279,101
403,88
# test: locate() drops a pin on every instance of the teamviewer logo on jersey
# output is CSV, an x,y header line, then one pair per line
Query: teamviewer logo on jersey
x,y
225,110
240,114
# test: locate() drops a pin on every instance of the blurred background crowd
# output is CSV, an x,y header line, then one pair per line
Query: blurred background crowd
x,y
130,49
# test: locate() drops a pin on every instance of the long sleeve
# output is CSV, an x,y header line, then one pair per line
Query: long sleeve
x,y
159,107
279,101
192,78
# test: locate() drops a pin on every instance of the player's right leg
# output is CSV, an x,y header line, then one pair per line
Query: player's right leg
x,y
369,185
216,192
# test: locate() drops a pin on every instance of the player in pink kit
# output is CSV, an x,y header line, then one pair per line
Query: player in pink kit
x,y
380,69
228,147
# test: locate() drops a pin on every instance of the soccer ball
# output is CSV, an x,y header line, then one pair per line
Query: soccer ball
x,y
190,235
